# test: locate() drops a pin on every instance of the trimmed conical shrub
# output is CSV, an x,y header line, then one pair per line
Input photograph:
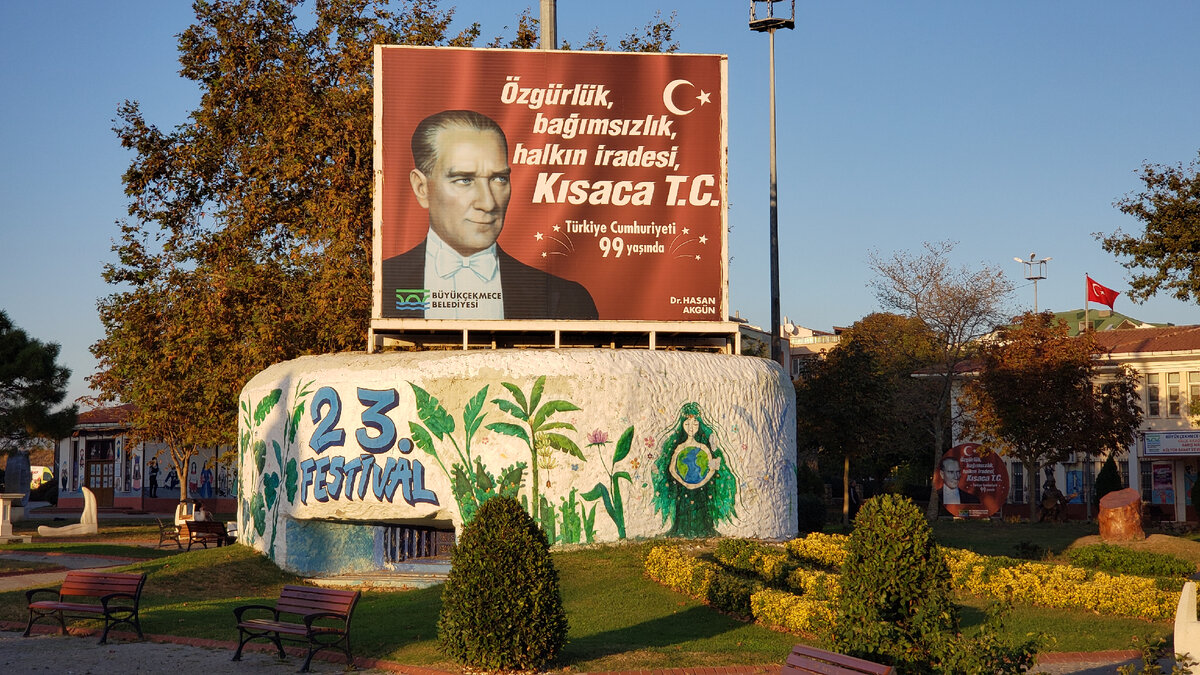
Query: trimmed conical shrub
x,y
1108,480
501,606
895,606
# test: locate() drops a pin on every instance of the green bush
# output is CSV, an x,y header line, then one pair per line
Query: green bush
x,y
811,511
501,606
895,606
1118,560
1109,478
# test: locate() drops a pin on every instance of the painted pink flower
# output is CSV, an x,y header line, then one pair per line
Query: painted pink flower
x,y
597,437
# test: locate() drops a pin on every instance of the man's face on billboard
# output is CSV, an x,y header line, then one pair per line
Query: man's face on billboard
x,y
468,191
951,473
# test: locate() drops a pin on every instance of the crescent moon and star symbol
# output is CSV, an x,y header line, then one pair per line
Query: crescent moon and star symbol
x,y
703,97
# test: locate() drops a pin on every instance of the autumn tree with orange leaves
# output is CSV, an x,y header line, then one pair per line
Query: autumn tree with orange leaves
x,y
1040,395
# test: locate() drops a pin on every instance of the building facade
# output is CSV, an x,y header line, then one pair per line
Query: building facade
x,y
1163,459
135,476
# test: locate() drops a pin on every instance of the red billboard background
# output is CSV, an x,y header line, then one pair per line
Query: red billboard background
x,y
648,242
983,482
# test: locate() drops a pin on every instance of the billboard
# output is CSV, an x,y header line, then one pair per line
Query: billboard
x,y
513,184
971,485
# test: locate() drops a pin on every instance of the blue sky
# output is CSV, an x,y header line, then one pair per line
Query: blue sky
x,y
1010,127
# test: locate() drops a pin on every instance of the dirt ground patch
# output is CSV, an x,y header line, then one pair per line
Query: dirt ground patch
x,y
1155,543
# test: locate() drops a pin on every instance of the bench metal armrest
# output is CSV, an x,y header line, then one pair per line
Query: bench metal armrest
x,y
104,600
237,611
310,618
33,591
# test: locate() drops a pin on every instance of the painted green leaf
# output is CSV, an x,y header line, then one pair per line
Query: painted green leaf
x,y
535,395
596,493
483,480
511,408
271,488
291,480
623,445
556,425
294,422
278,453
264,406
421,438
260,455
471,417
508,429
511,479
432,413
259,510
622,474
563,443
551,408
517,394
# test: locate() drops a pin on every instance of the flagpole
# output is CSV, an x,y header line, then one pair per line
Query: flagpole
x,y
1087,294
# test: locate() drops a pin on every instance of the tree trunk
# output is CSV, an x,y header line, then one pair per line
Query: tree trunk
x,y
931,512
1035,503
846,492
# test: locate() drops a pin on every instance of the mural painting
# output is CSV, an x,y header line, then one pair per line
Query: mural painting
x,y
430,449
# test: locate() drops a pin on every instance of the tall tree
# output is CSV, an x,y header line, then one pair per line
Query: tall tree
x,y
1166,255
249,233
899,346
958,305
842,410
32,386
1037,398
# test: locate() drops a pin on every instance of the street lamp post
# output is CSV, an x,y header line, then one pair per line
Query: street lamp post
x,y
1035,271
769,24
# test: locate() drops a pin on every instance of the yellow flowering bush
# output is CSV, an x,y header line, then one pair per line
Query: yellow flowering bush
x,y
815,592
670,567
824,549
1058,586
791,612
820,585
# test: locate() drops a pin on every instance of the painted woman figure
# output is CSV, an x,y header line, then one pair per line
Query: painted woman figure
x,y
694,487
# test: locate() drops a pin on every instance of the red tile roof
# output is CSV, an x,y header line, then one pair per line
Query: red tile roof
x,y
109,415
1141,340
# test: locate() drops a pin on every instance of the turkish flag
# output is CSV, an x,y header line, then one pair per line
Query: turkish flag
x,y
1099,294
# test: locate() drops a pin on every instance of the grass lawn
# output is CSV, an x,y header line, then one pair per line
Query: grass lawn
x,y
619,620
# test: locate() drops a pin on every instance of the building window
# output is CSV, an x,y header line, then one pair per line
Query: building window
x,y
1018,478
1147,483
1193,388
1173,395
1123,469
1152,409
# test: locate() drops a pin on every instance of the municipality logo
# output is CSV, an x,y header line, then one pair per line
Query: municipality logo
x,y
412,298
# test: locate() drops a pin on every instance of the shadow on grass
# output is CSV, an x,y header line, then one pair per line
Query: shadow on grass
x,y
683,627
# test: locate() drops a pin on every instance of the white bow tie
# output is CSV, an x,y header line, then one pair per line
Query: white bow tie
x,y
447,263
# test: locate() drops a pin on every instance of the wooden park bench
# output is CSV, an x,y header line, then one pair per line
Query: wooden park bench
x,y
116,598
167,533
203,532
319,617
805,660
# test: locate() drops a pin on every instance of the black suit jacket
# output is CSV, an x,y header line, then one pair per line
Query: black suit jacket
x,y
529,293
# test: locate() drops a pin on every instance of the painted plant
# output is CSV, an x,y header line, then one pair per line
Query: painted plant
x,y
266,484
469,478
536,430
694,486
611,493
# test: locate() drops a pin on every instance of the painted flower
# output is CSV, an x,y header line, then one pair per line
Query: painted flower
x,y
597,437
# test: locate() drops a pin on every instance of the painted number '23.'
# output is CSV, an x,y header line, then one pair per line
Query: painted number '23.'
x,y
327,413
